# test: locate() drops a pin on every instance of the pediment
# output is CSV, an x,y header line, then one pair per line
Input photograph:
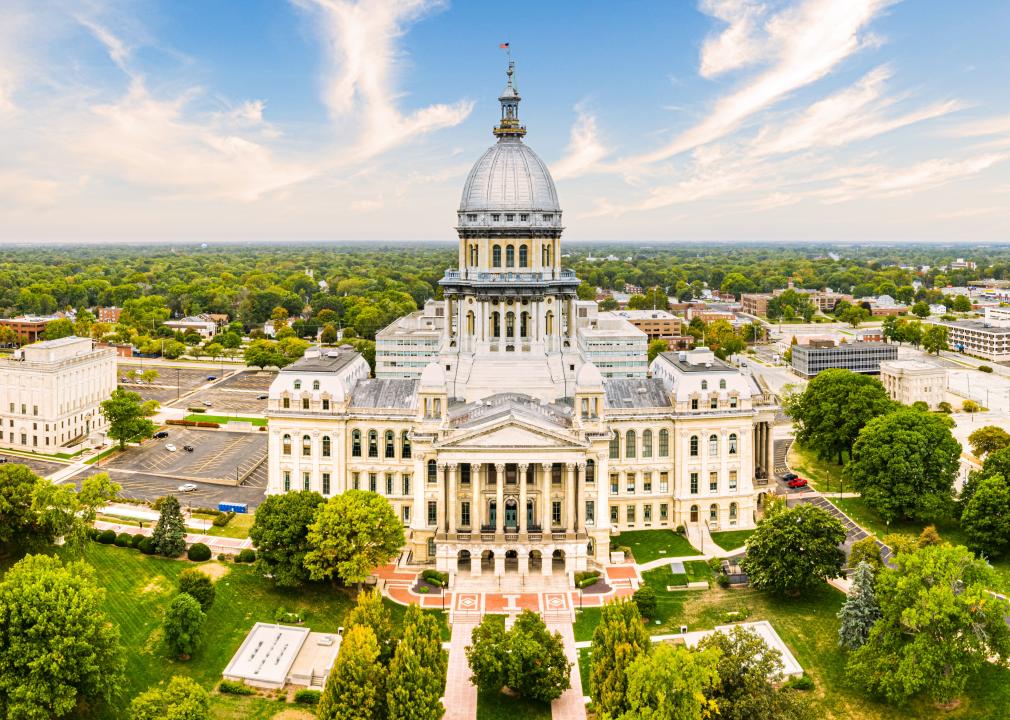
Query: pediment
x,y
512,434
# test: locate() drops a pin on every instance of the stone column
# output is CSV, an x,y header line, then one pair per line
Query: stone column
x,y
523,525
453,512
545,497
440,502
475,565
499,483
570,497
580,496
475,497
524,563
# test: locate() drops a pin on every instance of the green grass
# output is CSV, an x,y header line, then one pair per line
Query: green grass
x,y
238,527
102,455
223,419
139,588
824,475
497,706
647,545
231,707
731,539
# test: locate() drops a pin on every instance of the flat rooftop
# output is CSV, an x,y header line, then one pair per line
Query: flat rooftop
x,y
910,365
267,653
708,362
327,360
978,325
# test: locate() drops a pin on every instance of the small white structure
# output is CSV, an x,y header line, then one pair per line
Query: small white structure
x,y
761,628
910,381
273,656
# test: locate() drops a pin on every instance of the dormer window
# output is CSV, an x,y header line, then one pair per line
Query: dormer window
x,y
298,384
548,218
472,217
495,217
510,217
704,384
524,218
722,384
315,384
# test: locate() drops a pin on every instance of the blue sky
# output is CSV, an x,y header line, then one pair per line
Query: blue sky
x,y
724,120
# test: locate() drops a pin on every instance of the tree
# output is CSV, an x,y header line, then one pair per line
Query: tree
x,y
329,336
736,284
904,465
169,536
970,406
618,640
795,550
749,672
988,439
656,347
353,533
370,610
854,315
921,309
18,513
184,626
654,299
866,551
934,339
985,519
835,406
57,329
672,683
939,626
279,534
199,585
264,353
356,686
585,291
860,610
124,413
961,304
182,699
645,599
172,349
485,654
417,671
58,648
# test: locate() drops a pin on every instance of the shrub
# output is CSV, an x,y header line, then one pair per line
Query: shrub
x,y
681,530
586,578
945,407
723,580
645,599
123,539
715,565
424,590
198,552
307,697
436,578
198,584
223,519
246,555
93,533
281,615
233,687
222,557
107,537
146,546
731,616
981,368
135,540
196,410
804,682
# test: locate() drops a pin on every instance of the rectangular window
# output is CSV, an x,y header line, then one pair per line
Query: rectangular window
x,y
286,403
432,512
732,402
664,482
694,403
664,512
326,404
305,403
647,513
305,481
372,482
406,484
613,483
713,482
714,403
556,512
464,513
405,514
464,473
647,483
326,483
35,409
630,514
389,483
732,480
356,481
694,483
590,512
630,483
287,480
613,514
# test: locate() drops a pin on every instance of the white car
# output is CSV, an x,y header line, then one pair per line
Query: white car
x,y
170,447
188,487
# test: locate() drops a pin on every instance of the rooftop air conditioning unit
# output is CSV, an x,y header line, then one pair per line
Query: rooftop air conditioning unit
x,y
326,640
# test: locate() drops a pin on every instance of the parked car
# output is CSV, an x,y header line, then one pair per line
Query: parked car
x,y
789,476
262,397
160,434
3,460
206,403
797,482
187,448
212,377
187,487
170,447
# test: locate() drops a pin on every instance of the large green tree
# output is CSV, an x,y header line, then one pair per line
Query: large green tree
x,y
618,640
356,686
904,465
988,439
939,626
417,671
280,535
183,626
353,533
834,407
935,339
125,414
672,683
749,673
181,699
169,536
860,610
795,550
199,585
371,611
57,329
58,648
985,519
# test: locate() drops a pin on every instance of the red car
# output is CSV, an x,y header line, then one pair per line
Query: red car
x,y
797,482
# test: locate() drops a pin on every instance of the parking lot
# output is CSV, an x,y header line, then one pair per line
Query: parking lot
x,y
143,486
218,457
42,468
171,383
239,392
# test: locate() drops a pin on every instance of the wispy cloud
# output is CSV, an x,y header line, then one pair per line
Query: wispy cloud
x,y
585,149
740,44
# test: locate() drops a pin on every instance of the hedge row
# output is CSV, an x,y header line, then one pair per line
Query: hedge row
x,y
193,423
436,578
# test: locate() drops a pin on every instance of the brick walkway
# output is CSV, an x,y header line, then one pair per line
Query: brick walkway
x,y
571,705
460,695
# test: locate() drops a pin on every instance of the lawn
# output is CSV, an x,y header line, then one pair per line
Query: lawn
x,y
224,419
237,527
139,588
497,706
824,475
731,539
648,545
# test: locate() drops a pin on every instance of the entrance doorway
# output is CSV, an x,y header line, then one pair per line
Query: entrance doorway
x,y
511,514
511,561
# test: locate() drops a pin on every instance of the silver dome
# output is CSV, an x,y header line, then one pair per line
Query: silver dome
x,y
509,177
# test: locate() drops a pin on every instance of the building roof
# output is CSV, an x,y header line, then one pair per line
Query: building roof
x,y
910,365
391,393
59,342
700,360
636,393
330,360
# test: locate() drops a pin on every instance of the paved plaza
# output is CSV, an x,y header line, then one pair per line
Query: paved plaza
x,y
218,456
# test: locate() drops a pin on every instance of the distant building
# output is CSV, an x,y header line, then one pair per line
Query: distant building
x,y
962,264
654,323
404,348
861,357
755,303
911,381
987,338
50,391
28,328
108,314
203,325
883,306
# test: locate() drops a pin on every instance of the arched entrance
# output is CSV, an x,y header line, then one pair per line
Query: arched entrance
x,y
463,561
511,561
536,561
487,561
558,561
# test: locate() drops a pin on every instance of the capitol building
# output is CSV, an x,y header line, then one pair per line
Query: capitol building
x,y
514,428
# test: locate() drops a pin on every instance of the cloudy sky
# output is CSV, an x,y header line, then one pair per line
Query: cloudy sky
x,y
132,120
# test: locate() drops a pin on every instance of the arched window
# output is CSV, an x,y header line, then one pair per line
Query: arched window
x,y
390,444
306,445
694,446
713,513
664,443
356,443
629,444
647,444
469,323
524,259
510,324
405,444
473,255
315,384
286,445
732,444
713,445
373,444
732,511
590,471
326,445
704,384
510,256
298,384
694,513
496,256
722,384
549,325
432,471
615,446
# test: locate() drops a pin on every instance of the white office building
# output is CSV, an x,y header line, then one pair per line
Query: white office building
x,y
911,381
